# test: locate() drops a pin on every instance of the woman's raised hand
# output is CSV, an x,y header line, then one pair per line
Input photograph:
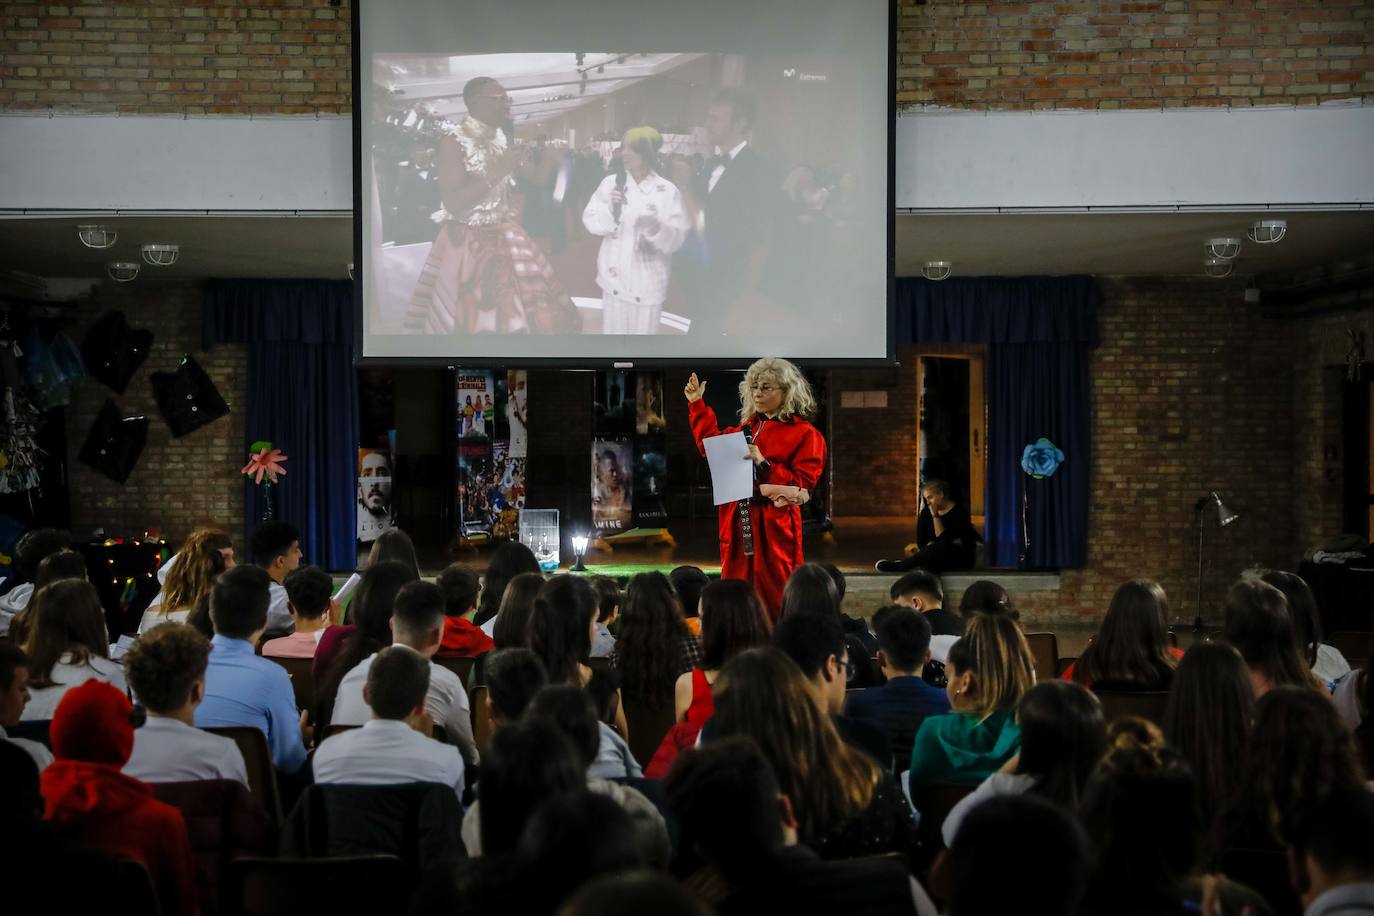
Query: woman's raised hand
x,y
695,389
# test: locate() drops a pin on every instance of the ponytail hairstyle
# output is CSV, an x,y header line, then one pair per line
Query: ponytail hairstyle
x,y
560,627
993,649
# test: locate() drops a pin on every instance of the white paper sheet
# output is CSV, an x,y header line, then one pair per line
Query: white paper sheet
x,y
347,588
732,474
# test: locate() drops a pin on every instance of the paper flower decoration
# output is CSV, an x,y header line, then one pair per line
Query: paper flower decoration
x,y
1041,459
264,461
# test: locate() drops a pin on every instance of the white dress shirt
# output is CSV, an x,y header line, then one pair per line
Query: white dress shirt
x,y
720,169
385,752
446,703
169,750
40,754
65,675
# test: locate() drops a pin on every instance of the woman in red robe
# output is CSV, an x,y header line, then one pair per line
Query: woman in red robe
x,y
761,538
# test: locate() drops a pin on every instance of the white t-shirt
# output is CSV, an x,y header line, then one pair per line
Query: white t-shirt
x,y
169,750
1331,665
154,616
279,619
65,675
446,703
12,602
385,752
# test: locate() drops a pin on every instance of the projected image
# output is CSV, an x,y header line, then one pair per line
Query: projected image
x,y
619,194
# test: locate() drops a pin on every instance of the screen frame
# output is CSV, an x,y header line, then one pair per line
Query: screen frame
x,y
581,362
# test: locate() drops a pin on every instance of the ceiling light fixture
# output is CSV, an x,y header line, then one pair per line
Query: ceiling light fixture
x,y
1268,231
160,255
937,270
1227,249
1218,268
122,271
93,236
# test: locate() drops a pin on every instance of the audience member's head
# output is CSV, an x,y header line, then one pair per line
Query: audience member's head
x,y
66,619
1330,845
460,586
94,723
573,837
918,589
1017,854
514,678
65,564
608,599
14,684
276,547
206,554
810,588
903,640
1063,736
512,627
990,667
417,617
526,762
729,808
1302,610
309,592
572,711
397,683
762,694
510,560
1131,648
1207,719
561,627
166,669
394,546
21,804
815,643
34,547
239,601
986,597
841,583
732,620
1259,625
634,893
652,630
688,581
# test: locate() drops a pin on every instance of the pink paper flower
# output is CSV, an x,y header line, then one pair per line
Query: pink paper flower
x,y
265,463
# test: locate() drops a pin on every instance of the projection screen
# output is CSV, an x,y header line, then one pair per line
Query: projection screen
x,y
646,182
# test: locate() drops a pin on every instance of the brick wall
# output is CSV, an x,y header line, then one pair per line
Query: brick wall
x,y
178,484
1139,54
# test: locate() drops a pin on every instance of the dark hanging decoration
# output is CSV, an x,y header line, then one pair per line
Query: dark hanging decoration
x,y
187,398
113,351
115,442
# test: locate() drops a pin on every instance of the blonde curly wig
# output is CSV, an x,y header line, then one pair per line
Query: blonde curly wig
x,y
797,398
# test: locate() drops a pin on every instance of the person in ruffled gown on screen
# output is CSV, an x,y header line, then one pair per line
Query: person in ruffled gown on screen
x,y
484,273
641,220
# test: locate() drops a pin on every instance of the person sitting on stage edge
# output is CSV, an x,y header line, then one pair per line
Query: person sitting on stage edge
x,y
945,536
921,591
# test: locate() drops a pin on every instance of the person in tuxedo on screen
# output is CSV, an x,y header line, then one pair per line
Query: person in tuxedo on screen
x,y
484,273
737,214
761,537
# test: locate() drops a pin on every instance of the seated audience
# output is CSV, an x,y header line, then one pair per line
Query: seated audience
x,y
1354,698
735,817
510,560
901,704
310,599
1207,720
1131,650
65,564
394,745
276,548
1258,624
89,801
32,549
655,646
1326,662
1063,736
1139,815
417,624
510,627
67,645
166,670
572,838
206,553
815,643
14,696
561,628
462,639
368,630
608,599
846,803
514,677
1331,856
990,670
811,589
1017,854
853,626
527,762
922,591
688,581
240,687
395,546
633,893
981,597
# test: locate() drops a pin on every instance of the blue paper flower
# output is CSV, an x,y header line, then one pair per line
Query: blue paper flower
x,y
1041,459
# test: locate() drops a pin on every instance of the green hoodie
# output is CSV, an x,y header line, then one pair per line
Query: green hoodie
x,y
957,748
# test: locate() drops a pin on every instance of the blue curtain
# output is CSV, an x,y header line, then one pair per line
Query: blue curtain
x,y
1039,332
303,397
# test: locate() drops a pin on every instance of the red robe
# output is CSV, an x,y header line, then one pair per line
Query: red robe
x,y
795,451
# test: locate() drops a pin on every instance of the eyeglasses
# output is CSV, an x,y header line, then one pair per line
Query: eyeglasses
x,y
763,389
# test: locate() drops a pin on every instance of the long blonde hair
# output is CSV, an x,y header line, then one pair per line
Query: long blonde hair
x,y
197,565
797,398
994,650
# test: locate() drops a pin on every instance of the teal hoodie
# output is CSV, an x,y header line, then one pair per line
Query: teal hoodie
x,y
957,748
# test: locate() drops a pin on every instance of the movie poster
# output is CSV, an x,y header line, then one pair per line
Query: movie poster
x,y
515,413
375,513
476,516
613,405
508,476
649,403
476,405
612,484
651,480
